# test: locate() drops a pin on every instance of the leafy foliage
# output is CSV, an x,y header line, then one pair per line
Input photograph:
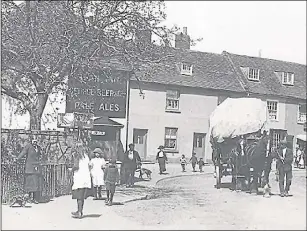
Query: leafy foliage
x,y
46,42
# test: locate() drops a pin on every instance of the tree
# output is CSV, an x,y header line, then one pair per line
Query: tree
x,y
46,42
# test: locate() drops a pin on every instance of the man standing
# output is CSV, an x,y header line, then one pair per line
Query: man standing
x,y
32,152
284,166
131,160
194,161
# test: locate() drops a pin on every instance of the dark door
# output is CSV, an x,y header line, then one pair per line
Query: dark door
x,y
140,141
199,144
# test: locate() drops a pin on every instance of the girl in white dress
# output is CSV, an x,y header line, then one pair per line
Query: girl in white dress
x,y
97,165
81,178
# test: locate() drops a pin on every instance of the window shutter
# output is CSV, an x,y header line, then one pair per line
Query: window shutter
x,y
258,74
245,71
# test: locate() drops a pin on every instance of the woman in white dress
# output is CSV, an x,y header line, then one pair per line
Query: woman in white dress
x,y
81,178
97,165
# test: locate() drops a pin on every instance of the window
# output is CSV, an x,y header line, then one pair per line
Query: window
x,y
172,100
301,113
305,126
253,74
272,110
186,69
170,140
277,136
287,78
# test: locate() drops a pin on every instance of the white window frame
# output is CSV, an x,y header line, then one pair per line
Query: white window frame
x,y
186,69
171,137
172,103
277,109
301,117
289,77
253,74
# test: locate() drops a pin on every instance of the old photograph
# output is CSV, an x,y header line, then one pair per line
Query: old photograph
x,y
153,115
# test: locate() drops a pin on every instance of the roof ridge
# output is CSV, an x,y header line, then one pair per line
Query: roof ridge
x,y
268,59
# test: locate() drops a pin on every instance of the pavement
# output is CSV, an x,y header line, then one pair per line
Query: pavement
x,y
55,215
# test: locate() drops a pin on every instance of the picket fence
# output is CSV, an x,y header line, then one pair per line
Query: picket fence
x,y
56,180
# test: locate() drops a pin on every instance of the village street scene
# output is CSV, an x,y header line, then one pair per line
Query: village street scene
x,y
147,115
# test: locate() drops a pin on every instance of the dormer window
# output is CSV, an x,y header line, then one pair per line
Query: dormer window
x,y
288,78
186,69
253,74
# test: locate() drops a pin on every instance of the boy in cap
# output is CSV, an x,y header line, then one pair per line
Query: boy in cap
x,y
111,177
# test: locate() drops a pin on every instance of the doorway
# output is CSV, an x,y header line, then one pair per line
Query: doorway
x,y
140,141
199,144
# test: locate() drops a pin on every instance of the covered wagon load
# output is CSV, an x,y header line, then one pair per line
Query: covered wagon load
x,y
232,120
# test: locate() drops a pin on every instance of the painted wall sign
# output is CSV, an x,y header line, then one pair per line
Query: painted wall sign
x,y
102,93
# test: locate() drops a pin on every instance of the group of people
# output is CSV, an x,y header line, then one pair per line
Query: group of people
x,y
88,172
194,161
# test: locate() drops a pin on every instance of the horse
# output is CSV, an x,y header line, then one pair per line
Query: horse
x,y
253,157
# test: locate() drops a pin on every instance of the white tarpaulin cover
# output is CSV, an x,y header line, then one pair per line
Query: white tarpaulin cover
x,y
236,117
301,137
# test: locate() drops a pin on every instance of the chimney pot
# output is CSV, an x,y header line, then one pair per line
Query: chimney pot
x,y
185,30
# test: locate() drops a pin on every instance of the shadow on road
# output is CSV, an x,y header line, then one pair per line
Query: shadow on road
x,y
92,216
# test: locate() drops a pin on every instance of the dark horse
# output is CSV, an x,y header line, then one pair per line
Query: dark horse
x,y
251,163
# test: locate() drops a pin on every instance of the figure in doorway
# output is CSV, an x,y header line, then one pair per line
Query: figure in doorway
x,y
131,160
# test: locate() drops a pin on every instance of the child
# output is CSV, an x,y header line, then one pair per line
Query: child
x,y
201,163
81,178
194,161
183,162
97,165
111,177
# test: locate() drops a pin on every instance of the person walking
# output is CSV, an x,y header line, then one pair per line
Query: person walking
x,y
201,164
131,161
284,166
81,178
194,161
33,176
97,164
183,162
161,158
111,177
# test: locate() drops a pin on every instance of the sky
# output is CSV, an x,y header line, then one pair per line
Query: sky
x,y
277,28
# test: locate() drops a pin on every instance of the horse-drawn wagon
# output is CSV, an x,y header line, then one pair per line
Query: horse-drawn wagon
x,y
239,148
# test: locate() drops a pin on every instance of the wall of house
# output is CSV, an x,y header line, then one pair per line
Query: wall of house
x,y
195,105
291,122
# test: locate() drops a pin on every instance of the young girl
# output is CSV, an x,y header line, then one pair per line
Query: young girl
x,y
183,162
81,178
97,164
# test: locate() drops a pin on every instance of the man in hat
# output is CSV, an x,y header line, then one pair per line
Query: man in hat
x,y
131,160
284,166
32,152
161,158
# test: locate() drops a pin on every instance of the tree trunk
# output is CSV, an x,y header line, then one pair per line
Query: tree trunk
x,y
37,112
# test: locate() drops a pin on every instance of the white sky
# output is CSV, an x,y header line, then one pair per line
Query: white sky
x,y
277,28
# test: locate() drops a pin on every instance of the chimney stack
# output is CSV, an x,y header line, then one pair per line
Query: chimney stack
x,y
182,39
185,30
259,53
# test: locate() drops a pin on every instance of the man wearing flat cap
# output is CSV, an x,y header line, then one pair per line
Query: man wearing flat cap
x,y
284,166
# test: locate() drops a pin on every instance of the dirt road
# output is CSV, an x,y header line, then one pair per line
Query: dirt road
x,y
192,202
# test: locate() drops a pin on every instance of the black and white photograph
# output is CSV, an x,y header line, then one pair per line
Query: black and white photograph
x,y
153,115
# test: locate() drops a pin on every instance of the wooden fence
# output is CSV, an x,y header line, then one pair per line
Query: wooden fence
x,y
56,180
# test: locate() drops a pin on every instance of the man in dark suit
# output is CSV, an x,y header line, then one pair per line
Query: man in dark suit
x,y
131,160
32,152
284,166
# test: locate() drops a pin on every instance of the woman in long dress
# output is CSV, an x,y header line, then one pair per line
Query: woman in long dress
x,y
81,178
161,158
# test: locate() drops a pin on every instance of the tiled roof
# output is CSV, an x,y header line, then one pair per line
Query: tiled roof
x,y
269,83
210,71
